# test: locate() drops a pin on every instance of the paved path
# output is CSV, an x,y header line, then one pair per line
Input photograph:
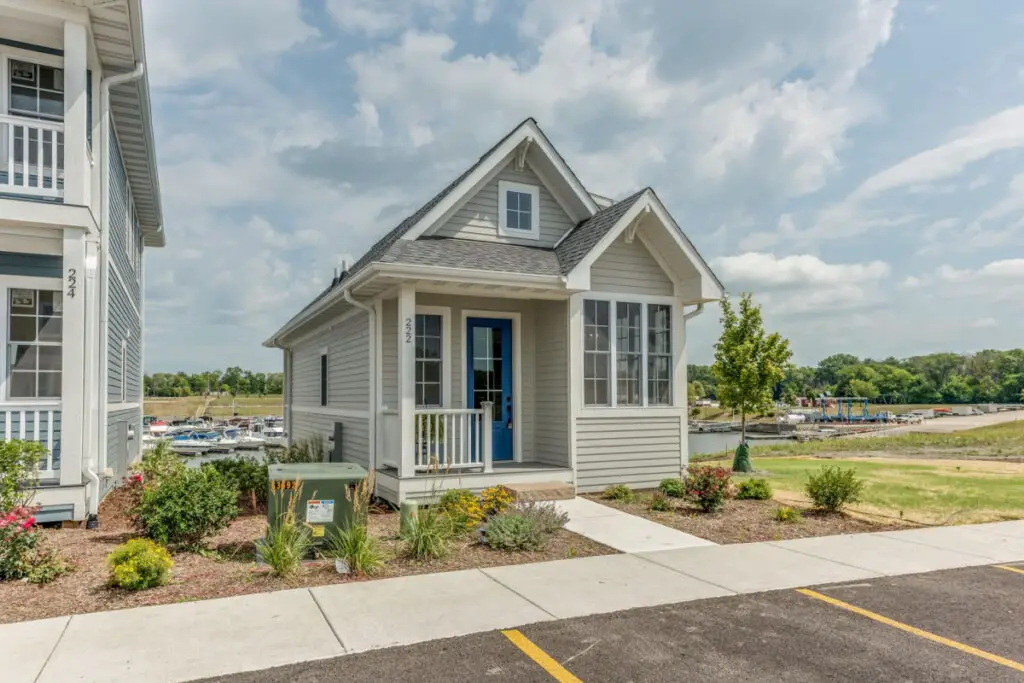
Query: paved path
x,y
217,637
622,531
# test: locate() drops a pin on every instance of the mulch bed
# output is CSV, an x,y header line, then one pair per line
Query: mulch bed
x,y
231,570
747,521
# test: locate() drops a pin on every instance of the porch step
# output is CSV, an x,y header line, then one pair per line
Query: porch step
x,y
552,490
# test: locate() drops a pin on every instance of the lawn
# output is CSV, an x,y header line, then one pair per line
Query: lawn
x,y
222,406
923,491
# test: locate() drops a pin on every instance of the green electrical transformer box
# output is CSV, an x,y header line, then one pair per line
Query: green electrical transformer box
x,y
321,488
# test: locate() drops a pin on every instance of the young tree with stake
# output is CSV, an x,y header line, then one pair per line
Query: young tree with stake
x,y
748,364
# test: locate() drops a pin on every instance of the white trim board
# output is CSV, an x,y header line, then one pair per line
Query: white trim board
x,y
332,412
118,407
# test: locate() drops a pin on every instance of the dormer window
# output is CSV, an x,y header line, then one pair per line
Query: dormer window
x,y
518,210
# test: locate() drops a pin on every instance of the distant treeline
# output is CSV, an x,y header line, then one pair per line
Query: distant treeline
x,y
234,381
986,376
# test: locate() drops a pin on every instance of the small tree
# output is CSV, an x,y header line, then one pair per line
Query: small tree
x,y
748,364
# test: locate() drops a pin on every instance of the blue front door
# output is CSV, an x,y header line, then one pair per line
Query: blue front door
x,y
489,357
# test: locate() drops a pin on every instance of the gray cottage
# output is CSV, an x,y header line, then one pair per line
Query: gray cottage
x,y
515,329
79,205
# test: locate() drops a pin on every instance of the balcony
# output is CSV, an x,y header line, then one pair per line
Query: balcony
x,y
31,158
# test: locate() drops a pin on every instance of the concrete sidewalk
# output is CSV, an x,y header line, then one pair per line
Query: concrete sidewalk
x,y
622,531
194,640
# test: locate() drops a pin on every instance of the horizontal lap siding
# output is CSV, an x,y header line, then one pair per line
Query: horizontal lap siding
x,y
478,217
551,432
629,269
637,451
348,366
32,265
389,351
120,453
355,434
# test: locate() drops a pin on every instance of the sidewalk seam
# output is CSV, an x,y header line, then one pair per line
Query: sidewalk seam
x,y
53,649
517,593
327,621
828,559
939,547
682,573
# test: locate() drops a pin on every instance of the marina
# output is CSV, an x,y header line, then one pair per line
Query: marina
x,y
202,436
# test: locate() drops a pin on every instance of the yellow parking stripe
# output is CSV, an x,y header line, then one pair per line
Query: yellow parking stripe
x,y
1010,569
542,658
1016,666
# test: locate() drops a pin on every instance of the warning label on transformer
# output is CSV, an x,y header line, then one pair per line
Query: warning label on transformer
x,y
319,511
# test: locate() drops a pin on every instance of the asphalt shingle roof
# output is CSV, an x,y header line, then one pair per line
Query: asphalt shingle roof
x,y
585,236
449,252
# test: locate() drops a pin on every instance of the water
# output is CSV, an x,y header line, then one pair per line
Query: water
x,y
723,442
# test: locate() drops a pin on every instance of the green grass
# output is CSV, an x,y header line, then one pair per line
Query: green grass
x,y
927,493
221,406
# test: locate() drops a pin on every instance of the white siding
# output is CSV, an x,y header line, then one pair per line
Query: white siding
x,y
478,217
636,451
389,350
551,433
348,366
355,434
630,269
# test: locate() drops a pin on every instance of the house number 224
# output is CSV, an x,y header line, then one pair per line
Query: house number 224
x,y
408,330
72,282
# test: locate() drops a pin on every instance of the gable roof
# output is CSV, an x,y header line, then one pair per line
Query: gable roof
x,y
451,252
580,240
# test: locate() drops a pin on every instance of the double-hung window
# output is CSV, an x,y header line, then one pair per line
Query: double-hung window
x,y
632,366
518,210
34,335
429,341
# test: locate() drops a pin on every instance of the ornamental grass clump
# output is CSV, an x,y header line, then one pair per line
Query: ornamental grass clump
x,y
430,533
708,487
288,541
357,548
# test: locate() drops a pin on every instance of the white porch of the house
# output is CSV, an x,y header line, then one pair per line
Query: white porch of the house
x,y
472,390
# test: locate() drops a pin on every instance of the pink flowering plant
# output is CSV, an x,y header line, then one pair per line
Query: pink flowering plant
x,y
708,487
19,541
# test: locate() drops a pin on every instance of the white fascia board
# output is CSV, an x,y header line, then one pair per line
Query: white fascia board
x,y
489,165
469,275
47,215
712,287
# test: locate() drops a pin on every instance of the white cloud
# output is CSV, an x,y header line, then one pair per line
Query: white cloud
x,y
1004,269
798,270
984,322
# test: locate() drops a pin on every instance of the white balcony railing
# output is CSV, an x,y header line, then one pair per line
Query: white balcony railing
x,y
31,157
453,438
35,422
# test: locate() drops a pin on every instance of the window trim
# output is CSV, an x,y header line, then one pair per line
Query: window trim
x,y
613,300
446,353
506,186
324,372
38,285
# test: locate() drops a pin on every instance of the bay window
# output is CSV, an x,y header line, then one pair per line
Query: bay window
x,y
34,336
632,367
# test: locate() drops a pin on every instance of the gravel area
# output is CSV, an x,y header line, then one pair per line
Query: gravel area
x,y
231,568
747,521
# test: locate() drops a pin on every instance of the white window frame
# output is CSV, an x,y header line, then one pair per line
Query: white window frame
x,y
8,54
506,186
644,301
8,283
445,313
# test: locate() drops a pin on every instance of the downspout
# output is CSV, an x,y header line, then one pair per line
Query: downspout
x,y
694,313
371,457
91,465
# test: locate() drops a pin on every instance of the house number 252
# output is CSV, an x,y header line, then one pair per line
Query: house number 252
x,y
72,282
408,330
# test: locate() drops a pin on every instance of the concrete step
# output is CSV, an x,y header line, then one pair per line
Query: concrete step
x,y
551,490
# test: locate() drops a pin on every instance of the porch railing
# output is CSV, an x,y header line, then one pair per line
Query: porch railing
x,y
35,423
31,157
453,438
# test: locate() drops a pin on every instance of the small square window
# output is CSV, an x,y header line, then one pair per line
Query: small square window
x,y
517,210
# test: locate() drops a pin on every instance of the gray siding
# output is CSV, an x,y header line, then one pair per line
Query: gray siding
x,y
34,265
355,434
636,451
121,453
629,269
348,366
478,217
551,432
389,351
124,294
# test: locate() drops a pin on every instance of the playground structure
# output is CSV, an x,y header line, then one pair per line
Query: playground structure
x,y
849,417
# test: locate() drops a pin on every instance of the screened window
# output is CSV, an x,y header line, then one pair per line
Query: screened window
x,y
628,352
659,355
428,360
323,379
596,353
34,335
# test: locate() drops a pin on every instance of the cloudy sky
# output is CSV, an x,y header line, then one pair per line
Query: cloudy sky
x,y
857,164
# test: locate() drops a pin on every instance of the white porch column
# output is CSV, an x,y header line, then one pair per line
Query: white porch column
x,y
73,360
77,170
575,324
407,377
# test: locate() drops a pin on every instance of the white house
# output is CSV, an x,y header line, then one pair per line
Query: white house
x,y
515,329
79,204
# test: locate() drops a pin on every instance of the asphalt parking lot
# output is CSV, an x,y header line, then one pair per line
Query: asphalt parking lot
x,y
957,625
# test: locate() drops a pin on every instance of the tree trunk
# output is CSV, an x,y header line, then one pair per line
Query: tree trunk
x,y
743,426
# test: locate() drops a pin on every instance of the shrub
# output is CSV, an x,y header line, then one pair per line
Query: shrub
x,y
19,463
160,464
496,500
311,449
619,492
787,514
659,502
248,474
429,534
754,489
18,543
139,564
708,486
547,516
186,509
514,531
672,488
358,548
287,541
47,565
463,508
831,488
